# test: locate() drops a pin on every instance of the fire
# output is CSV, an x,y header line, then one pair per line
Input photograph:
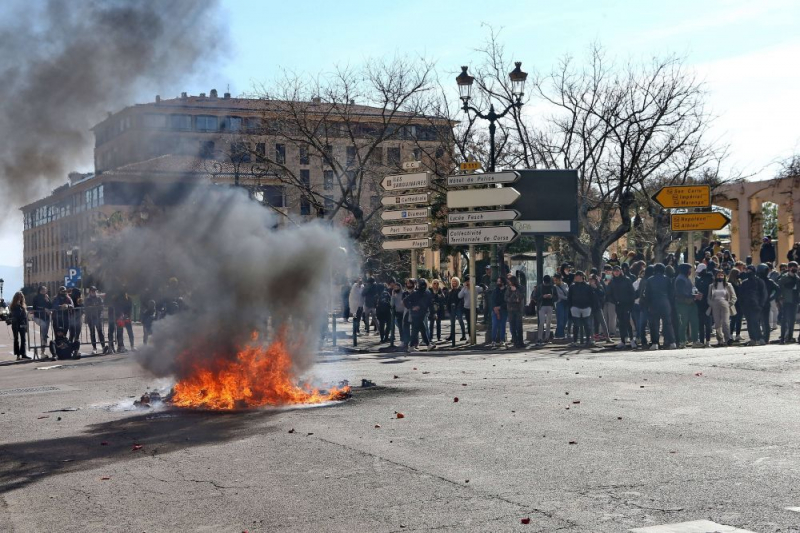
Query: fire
x,y
258,376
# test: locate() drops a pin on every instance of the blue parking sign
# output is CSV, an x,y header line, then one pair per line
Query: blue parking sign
x,y
73,277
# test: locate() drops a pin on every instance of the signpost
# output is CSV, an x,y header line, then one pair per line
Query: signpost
x,y
469,166
684,196
406,214
412,165
482,235
406,244
464,217
409,229
699,221
417,180
482,179
73,278
482,197
406,199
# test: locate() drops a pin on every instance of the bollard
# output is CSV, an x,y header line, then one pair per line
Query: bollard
x,y
355,337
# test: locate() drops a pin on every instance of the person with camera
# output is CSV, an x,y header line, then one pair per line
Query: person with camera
x,y
62,310
18,318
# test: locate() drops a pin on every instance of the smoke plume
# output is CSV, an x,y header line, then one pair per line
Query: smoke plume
x,y
65,63
235,270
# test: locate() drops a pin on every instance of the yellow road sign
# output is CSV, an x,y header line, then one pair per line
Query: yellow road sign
x,y
684,196
470,165
699,222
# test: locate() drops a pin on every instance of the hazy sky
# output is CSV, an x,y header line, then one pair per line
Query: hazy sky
x,y
746,51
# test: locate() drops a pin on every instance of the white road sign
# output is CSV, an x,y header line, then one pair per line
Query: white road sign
x,y
542,226
399,182
405,199
406,214
482,197
466,217
483,235
482,179
412,165
405,229
406,244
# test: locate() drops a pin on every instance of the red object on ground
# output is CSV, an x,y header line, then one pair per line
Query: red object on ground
x,y
525,521
455,399
137,447
400,415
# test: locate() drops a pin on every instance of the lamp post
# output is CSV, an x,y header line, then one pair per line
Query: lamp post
x,y
1,288
465,82
28,267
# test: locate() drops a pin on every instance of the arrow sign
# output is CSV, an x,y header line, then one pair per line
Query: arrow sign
x,y
406,244
684,196
482,197
423,212
404,199
699,222
483,235
482,216
482,179
405,229
417,180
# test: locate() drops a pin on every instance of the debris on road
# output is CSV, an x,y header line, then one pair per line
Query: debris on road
x,y
619,418
137,447
698,374
573,442
49,367
525,521
147,400
64,410
377,426
104,443
291,430
365,383
400,415
455,400
45,416
104,478
397,377
576,401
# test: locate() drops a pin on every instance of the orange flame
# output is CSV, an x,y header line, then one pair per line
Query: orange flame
x,y
258,376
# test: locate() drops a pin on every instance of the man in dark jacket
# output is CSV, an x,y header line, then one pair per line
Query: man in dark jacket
x,y
703,280
418,302
94,310
763,271
789,284
41,315
753,292
623,296
580,300
685,297
658,298
767,252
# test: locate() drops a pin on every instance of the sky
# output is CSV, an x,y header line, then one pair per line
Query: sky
x,y
746,52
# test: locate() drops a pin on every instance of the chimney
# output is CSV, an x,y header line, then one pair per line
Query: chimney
x,y
352,101
183,96
227,96
213,93
316,100
202,95
158,98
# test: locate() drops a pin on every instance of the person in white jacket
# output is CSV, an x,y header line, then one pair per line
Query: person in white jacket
x,y
356,302
721,300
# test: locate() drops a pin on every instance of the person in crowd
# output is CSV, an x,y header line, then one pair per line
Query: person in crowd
x,y
466,304
794,253
686,296
399,314
613,260
62,310
562,306
658,297
94,309
42,307
62,348
789,284
455,308
703,280
767,252
499,313
515,304
383,311
774,307
436,312
76,315
580,305
486,309
622,295
370,294
722,302
545,297
123,307
773,291
356,304
598,301
736,318
754,298
418,302
148,317
644,314
345,294
18,315
609,309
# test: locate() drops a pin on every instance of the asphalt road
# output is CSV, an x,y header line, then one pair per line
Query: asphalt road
x,y
659,438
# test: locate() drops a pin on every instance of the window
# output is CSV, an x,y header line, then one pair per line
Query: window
x,y
280,154
327,180
351,156
417,153
274,196
304,159
305,206
232,124
376,156
207,149
206,123
180,122
154,121
254,125
261,149
240,152
328,153
393,157
305,177
328,203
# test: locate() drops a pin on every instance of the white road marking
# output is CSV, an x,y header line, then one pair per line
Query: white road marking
x,y
795,509
696,526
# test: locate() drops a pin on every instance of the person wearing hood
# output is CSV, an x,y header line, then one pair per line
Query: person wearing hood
x,y
515,304
722,301
685,297
623,295
703,280
545,297
762,271
658,295
754,298
789,284
371,295
640,305
418,302
499,313
436,312
581,298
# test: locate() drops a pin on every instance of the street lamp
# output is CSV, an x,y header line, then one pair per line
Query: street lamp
x,y
1,288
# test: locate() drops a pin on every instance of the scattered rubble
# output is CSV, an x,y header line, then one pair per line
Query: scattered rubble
x,y
365,383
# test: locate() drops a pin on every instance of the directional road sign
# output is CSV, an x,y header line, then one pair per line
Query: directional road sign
x,y
406,214
482,197
699,221
470,165
405,199
406,244
399,182
465,217
549,203
482,179
684,196
482,235
405,229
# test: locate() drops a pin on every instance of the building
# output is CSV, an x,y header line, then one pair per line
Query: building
x,y
150,154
